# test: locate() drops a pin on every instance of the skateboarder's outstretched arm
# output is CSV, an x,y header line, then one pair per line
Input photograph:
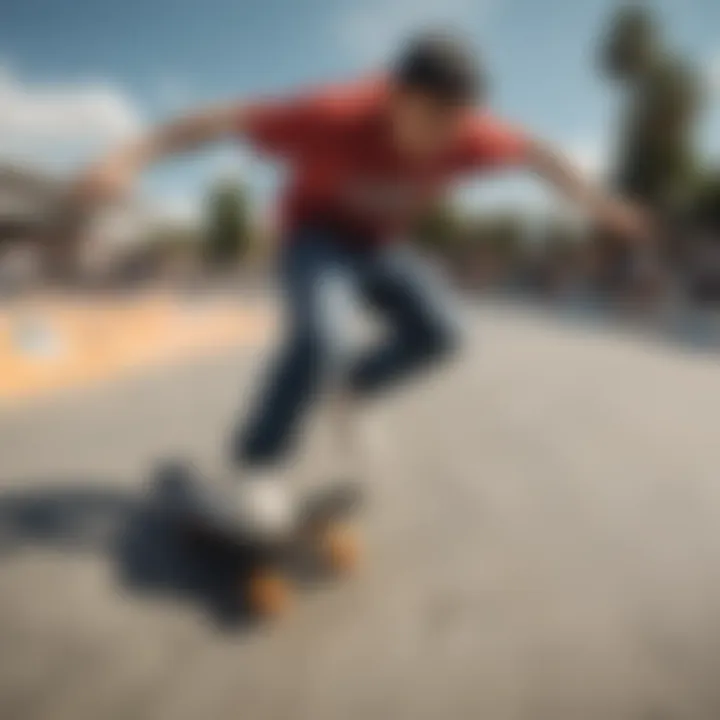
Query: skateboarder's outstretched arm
x,y
624,218
113,175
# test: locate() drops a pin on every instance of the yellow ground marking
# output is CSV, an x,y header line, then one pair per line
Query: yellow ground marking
x,y
103,339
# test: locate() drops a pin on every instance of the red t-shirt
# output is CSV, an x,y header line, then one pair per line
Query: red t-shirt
x,y
345,173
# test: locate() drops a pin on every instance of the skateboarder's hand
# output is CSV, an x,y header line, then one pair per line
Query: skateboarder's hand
x,y
112,178
629,221
625,219
105,182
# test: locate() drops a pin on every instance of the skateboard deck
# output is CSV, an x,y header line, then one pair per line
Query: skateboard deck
x,y
323,543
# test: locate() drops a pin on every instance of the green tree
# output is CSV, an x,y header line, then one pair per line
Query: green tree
x,y
440,228
707,203
504,235
228,232
656,163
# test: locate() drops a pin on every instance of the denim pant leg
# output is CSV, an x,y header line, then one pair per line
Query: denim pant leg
x,y
317,281
422,321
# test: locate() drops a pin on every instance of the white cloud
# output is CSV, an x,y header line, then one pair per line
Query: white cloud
x,y
369,30
55,123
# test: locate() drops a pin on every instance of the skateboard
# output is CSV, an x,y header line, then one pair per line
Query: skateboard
x,y
323,544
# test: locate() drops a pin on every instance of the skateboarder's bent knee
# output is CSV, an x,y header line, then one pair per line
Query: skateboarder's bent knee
x,y
440,341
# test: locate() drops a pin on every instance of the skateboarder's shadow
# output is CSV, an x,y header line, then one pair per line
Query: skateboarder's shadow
x,y
150,556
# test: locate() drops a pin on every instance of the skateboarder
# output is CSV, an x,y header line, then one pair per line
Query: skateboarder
x,y
363,159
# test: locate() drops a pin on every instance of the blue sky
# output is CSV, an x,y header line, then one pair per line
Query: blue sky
x,y
82,74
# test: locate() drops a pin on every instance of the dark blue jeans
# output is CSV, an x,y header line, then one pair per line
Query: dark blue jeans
x,y
321,281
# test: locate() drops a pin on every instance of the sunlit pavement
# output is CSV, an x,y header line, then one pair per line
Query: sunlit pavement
x,y
543,543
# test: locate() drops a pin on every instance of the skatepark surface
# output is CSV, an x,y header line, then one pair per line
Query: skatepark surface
x,y
542,543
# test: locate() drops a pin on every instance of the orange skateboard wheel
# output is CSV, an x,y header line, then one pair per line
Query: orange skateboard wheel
x,y
268,593
340,546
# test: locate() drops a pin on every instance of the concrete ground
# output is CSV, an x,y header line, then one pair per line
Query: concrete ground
x,y
543,543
